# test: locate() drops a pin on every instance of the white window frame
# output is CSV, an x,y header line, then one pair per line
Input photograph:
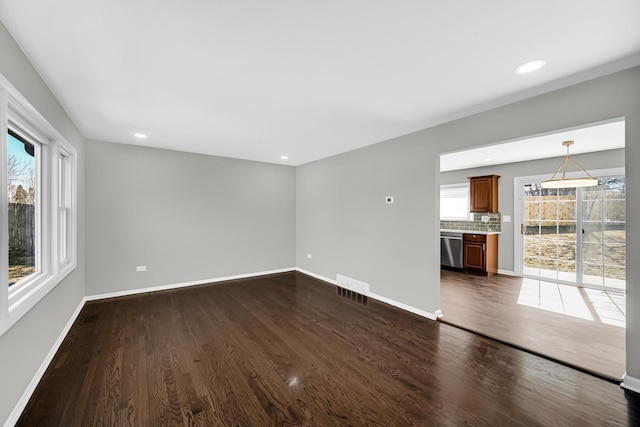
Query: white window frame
x,y
19,115
66,167
41,227
464,216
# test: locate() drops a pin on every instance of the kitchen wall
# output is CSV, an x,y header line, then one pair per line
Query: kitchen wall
x,y
342,218
27,343
186,217
475,223
590,161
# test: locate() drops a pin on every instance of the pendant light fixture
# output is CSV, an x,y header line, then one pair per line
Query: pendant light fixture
x,y
563,181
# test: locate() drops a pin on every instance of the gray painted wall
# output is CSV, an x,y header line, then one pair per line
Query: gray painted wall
x,y
343,221
507,172
185,216
25,346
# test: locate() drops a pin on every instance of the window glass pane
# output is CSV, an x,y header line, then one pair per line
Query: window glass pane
x,y
64,198
592,210
567,271
548,192
615,255
454,201
615,276
22,195
531,210
592,253
592,274
592,232
615,210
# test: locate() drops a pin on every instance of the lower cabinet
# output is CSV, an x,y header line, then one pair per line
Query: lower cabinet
x,y
481,253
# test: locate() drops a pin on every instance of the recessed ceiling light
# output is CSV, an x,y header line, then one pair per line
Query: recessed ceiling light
x,y
140,135
488,159
284,157
530,66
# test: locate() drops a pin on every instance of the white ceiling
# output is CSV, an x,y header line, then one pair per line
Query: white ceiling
x,y
257,79
599,137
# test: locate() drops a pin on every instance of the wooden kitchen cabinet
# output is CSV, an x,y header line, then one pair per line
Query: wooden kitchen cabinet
x,y
481,253
483,193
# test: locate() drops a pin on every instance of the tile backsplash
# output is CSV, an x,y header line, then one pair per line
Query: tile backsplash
x,y
494,224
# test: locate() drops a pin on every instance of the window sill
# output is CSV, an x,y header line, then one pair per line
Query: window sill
x,y
26,298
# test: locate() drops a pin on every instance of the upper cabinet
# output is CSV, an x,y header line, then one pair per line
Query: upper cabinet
x,y
483,193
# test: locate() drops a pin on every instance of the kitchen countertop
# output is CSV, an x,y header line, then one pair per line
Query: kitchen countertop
x,y
485,232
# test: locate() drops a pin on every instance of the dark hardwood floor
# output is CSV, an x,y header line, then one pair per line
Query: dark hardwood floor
x,y
489,306
286,349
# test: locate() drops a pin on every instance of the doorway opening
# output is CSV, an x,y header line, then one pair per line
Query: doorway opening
x,y
562,253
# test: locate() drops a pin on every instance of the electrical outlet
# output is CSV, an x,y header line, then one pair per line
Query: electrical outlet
x,y
485,218
506,218
141,268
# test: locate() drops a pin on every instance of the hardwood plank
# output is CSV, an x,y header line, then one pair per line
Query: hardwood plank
x,y
286,349
490,306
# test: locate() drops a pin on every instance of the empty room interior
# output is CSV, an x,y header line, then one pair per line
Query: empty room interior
x,y
297,213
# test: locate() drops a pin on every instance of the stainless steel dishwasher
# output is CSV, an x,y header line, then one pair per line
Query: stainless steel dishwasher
x,y
451,251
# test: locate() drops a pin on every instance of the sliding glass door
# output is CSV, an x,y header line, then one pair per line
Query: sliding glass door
x,y
574,235
603,237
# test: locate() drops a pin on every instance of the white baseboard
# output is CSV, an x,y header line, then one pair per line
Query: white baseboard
x,y
630,383
507,272
317,276
24,399
406,307
403,306
184,284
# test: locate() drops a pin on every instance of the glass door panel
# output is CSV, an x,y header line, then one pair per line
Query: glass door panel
x,y
567,265
604,240
531,230
550,233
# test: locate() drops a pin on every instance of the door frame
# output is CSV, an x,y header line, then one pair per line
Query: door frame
x,y
518,209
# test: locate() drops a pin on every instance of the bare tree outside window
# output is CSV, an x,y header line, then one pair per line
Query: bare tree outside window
x,y
21,191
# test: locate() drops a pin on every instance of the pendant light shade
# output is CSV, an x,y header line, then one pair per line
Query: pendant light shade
x,y
563,181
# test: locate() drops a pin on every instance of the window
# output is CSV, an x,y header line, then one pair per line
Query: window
x,y
37,206
23,191
454,202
